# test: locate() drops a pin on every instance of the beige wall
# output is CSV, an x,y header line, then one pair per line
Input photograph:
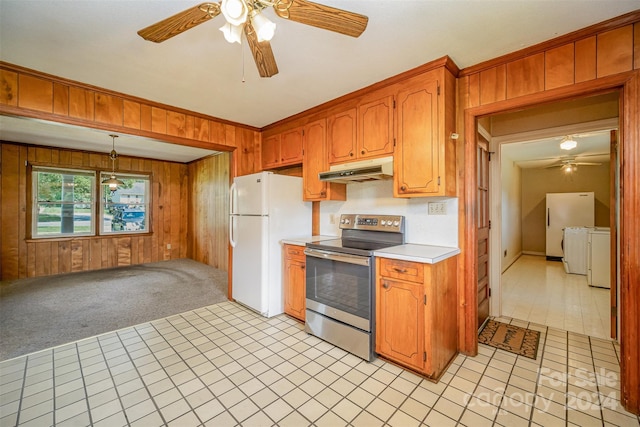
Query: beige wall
x,y
583,110
511,221
537,182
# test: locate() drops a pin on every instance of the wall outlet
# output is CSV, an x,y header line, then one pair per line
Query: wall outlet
x,y
332,218
168,245
505,253
437,208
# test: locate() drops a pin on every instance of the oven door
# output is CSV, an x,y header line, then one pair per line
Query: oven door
x,y
339,286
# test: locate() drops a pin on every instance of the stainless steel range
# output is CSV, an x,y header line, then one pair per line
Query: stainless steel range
x,y
340,281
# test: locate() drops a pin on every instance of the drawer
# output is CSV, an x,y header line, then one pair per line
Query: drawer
x,y
294,252
402,270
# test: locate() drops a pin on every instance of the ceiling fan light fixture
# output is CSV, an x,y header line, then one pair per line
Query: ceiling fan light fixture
x,y
113,183
265,29
568,143
232,33
234,11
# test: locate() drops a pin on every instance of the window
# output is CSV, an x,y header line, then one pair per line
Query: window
x,y
125,210
63,202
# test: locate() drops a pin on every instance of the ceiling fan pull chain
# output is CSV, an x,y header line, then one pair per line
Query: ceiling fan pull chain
x,y
242,62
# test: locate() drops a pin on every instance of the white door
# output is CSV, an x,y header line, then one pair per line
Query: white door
x,y
250,261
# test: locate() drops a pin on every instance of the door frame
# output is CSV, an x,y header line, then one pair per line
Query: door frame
x,y
495,181
628,84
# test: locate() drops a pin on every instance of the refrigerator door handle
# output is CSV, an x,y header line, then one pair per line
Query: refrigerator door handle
x,y
232,220
232,198
548,217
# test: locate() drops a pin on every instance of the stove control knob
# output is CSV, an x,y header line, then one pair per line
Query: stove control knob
x,y
383,222
396,223
346,221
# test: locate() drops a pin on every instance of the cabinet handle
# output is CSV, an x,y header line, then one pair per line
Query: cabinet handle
x,y
351,154
385,285
400,270
302,267
362,152
403,188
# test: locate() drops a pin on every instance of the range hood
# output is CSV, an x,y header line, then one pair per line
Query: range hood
x,y
364,170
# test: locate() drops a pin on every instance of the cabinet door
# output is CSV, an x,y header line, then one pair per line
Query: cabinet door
x,y
294,288
315,160
271,152
341,136
245,155
291,147
418,153
375,127
400,322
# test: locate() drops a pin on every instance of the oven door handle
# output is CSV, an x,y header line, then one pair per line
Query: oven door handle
x,y
334,256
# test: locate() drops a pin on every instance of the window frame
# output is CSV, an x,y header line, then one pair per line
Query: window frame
x,y
96,204
36,203
101,203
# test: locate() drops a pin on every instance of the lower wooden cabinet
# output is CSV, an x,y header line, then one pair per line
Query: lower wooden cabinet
x,y
416,316
294,281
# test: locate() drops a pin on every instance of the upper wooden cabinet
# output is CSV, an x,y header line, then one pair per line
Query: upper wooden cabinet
x,y
363,131
424,159
271,151
283,149
246,153
314,161
375,127
341,136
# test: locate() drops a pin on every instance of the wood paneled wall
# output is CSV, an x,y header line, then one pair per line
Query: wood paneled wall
x,y
209,211
30,93
31,258
597,59
587,55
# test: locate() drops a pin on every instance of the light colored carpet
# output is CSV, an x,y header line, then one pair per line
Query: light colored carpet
x,y
43,312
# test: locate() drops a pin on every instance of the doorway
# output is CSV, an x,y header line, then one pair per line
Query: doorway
x,y
529,164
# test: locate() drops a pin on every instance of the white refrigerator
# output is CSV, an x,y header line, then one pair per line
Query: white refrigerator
x,y
566,210
264,209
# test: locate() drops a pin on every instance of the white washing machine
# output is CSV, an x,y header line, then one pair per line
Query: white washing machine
x,y
574,246
599,257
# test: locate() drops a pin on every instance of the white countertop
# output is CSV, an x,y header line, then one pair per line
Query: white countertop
x,y
303,240
427,254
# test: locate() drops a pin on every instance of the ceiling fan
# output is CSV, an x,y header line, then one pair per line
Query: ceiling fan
x,y
570,164
244,16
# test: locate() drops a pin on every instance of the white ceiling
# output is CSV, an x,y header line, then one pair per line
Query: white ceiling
x,y
540,153
95,42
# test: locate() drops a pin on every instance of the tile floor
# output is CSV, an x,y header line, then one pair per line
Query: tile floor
x,y
539,291
224,365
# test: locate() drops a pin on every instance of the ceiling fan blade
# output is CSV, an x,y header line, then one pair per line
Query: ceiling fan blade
x,y
262,53
587,164
180,22
321,16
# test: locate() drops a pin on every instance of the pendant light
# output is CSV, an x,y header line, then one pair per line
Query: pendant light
x,y
112,181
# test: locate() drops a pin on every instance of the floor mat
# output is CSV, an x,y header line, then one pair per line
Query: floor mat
x,y
514,339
